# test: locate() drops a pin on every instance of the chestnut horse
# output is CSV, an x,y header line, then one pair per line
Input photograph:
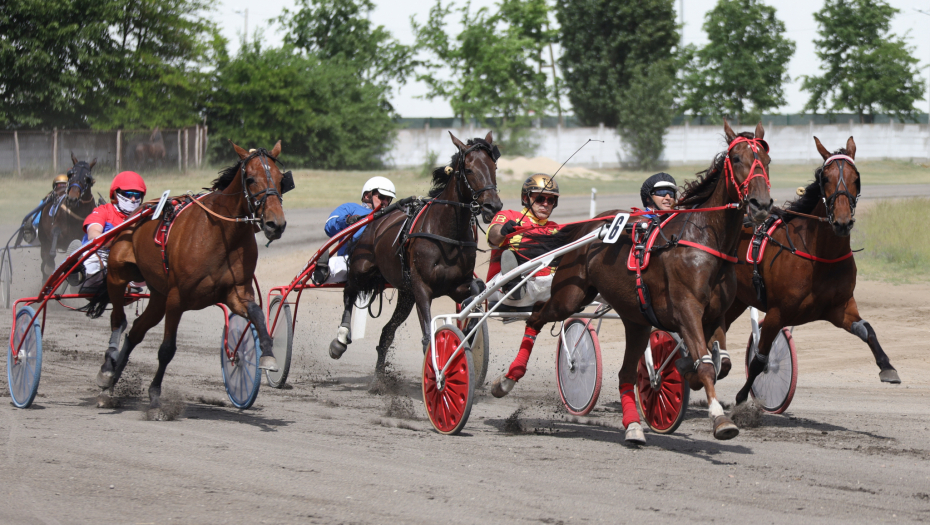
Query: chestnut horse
x,y
691,289
438,257
211,260
67,223
799,290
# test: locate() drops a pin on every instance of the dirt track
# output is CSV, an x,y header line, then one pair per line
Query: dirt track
x,y
335,447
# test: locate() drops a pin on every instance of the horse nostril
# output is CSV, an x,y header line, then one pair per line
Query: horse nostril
x,y
271,225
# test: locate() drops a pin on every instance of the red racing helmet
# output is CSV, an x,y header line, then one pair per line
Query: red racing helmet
x,y
127,181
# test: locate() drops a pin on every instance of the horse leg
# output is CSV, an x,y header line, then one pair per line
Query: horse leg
x,y
423,298
718,351
847,318
343,339
405,302
166,351
53,250
255,314
769,331
637,337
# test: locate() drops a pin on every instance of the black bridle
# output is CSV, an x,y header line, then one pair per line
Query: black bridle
x,y
85,178
256,201
459,173
841,187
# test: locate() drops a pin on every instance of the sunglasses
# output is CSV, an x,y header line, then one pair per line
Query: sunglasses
x,y
664,193
137,195
547,199
384,198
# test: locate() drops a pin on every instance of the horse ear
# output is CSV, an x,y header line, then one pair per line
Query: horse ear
x,y
851,147
728,131
239,151
458,143
489,138
91,166
276,150
822,150
73,158
760,131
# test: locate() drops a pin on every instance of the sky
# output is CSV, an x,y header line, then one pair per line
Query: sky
x,y
395,16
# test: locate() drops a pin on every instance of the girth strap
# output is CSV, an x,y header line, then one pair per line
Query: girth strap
x,y
446,240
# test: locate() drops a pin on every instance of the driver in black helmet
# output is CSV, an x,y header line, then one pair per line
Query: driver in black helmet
x,y
659,192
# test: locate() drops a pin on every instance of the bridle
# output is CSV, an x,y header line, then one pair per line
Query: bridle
x,y
841,187
742,190
256,201
459,173
87,178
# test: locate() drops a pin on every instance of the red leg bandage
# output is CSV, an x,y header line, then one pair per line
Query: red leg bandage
x,y
518,367
628,404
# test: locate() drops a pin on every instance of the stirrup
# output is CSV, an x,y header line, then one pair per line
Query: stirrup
x,y
321,272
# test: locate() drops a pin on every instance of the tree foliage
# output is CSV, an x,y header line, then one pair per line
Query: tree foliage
x,y
604,43
865,68
326,117
646,109
742,70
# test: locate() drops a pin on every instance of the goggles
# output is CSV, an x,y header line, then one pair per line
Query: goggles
x,y
131,194
664,192
386,199
547,199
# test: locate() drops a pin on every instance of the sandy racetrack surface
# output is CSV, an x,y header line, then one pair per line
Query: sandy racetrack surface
x,y
335,446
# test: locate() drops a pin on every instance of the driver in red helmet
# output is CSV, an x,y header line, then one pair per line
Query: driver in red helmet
x,y
126,194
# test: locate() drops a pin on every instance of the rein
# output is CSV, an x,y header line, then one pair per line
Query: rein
x,y
193,198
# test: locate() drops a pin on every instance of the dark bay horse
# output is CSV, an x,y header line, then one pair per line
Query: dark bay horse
x,y
798,290
66,222
439,257
210,259
691,289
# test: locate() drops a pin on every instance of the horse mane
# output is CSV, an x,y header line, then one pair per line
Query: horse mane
x,y
700,189
812,195
440,178
227,175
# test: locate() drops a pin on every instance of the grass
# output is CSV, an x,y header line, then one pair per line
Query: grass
x,y
896,240
330,188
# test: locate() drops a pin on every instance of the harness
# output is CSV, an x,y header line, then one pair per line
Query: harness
x,y
256,201
170,213
841,188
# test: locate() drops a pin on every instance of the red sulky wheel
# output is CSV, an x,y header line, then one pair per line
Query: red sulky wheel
x,y
449,404
664,404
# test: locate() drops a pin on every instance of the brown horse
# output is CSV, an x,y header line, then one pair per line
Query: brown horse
x,y
210,261
438,257
62,219
691,289
798,290
152,150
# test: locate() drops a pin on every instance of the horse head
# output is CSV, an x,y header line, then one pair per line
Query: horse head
x,y
747,171
838,177
477,166
264,185
80,180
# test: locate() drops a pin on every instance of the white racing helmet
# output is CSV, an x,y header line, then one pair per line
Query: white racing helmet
x,y
382,184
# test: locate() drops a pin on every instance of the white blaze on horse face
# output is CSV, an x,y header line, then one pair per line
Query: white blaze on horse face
x,y
714,408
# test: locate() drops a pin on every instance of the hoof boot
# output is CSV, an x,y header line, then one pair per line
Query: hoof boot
x,y
502,386
336,349
634,434
724,428
269,363
890,376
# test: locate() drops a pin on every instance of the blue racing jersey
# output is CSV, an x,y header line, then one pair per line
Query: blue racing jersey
x,y
337,221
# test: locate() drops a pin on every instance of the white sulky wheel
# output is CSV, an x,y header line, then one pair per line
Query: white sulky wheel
x,y
23,374
283,342
6,278
774,387
578,367
241,374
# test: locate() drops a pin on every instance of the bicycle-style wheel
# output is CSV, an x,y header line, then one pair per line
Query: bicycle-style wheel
x,y
283,337
24,372
480,345
664,403
6,278
239,354
578,367
774,387
448,402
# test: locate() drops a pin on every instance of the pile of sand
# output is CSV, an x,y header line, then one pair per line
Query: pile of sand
x,y
519,168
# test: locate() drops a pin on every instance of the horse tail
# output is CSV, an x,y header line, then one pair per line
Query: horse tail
x,y
539,242
98,303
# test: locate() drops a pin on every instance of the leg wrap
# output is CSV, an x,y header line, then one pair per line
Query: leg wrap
x,y
628,404
861,329
518,367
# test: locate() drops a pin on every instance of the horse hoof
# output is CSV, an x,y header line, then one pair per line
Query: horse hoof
x,y
502,386
890,376
268,362
336,349
725,366
724,428
634,434
104,378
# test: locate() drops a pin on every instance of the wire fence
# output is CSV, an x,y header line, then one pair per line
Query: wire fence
x,y
43,153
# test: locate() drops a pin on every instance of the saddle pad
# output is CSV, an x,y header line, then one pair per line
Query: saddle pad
x,y
162,232
631,259
765,242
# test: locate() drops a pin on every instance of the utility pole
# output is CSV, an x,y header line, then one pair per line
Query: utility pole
x,y
245,35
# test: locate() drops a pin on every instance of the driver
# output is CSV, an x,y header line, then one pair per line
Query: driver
x,y
377,191
659,192
59,186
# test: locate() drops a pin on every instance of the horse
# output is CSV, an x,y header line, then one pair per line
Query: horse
x,y
691,287
797,289
209,258
438,258
62,218
153,149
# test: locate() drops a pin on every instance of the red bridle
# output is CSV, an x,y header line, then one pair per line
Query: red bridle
x,y
754,144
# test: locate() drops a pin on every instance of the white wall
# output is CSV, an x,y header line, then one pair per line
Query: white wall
x,y
683,144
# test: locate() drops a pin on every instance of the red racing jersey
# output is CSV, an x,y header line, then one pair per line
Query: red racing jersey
x,y
538,226
106,215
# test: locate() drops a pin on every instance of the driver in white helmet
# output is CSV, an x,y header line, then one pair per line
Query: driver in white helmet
x,y
377,192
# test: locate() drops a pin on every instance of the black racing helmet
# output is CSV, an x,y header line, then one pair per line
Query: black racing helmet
x,y
656,182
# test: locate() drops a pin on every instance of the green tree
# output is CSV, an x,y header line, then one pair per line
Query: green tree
x,y
741,72
646,109
866,68
603,43
495,61
326,117
341,31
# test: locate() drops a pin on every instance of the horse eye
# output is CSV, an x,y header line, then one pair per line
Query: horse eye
x,y
736,159
250,181
468,171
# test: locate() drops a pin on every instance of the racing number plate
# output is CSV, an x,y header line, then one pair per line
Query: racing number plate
x,y
616,228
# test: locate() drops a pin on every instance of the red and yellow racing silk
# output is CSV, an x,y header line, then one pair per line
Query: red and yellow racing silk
x,y
547,226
